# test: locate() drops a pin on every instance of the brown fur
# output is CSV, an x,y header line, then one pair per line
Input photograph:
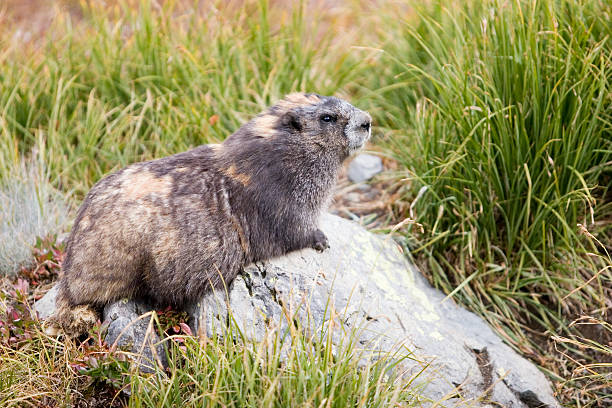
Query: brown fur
x,y
170,229
242,178
265,125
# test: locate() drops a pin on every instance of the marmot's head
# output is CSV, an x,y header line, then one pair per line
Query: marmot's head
x,y
310,122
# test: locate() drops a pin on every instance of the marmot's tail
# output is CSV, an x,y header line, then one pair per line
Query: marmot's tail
x,y
71,320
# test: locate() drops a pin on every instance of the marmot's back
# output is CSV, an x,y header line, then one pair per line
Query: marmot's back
x,y
141,225
172,228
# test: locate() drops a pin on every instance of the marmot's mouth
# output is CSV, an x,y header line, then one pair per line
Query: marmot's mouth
x,y
353,147
357,141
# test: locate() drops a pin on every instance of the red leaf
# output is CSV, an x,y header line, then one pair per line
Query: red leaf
x,y
14,315
186,329
22,286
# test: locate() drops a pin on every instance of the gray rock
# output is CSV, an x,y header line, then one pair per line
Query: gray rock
x,y
374,292
365,285
364,167
131,329
128,328
45,306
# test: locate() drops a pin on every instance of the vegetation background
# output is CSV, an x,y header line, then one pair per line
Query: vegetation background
x,y
495,118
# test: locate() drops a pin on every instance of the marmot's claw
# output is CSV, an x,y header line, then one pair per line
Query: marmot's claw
x,y
320,241
51,330
321,247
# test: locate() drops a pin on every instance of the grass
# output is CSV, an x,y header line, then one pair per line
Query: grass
x,y
295,367
508,111
30,207
593,376
222,372
48,372
134,83
498,114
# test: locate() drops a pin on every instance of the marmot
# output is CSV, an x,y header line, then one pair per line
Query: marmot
x,y
168,230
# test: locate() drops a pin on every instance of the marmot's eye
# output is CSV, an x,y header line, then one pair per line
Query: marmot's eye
x,y
328,118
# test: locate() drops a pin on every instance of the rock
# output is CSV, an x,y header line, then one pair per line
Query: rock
x,y
364,167
127,328
131,329
375,292
365,285
45,306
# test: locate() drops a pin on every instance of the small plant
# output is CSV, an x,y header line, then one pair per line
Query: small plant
x,y
29,208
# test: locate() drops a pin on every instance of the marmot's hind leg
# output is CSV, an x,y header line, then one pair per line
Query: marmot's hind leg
x,y
70,320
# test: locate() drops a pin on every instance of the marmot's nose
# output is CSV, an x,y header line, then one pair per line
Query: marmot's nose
x,y
363,120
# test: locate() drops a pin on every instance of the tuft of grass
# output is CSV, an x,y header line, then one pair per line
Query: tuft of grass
x,y
30,207
286,369
507,111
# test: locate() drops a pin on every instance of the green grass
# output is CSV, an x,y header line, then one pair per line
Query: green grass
x,y
313,372
140,84
288,368
503,113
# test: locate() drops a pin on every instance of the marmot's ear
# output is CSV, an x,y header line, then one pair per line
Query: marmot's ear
x,y
292,121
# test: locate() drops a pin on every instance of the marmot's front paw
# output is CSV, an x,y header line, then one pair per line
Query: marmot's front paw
x,y
320,242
